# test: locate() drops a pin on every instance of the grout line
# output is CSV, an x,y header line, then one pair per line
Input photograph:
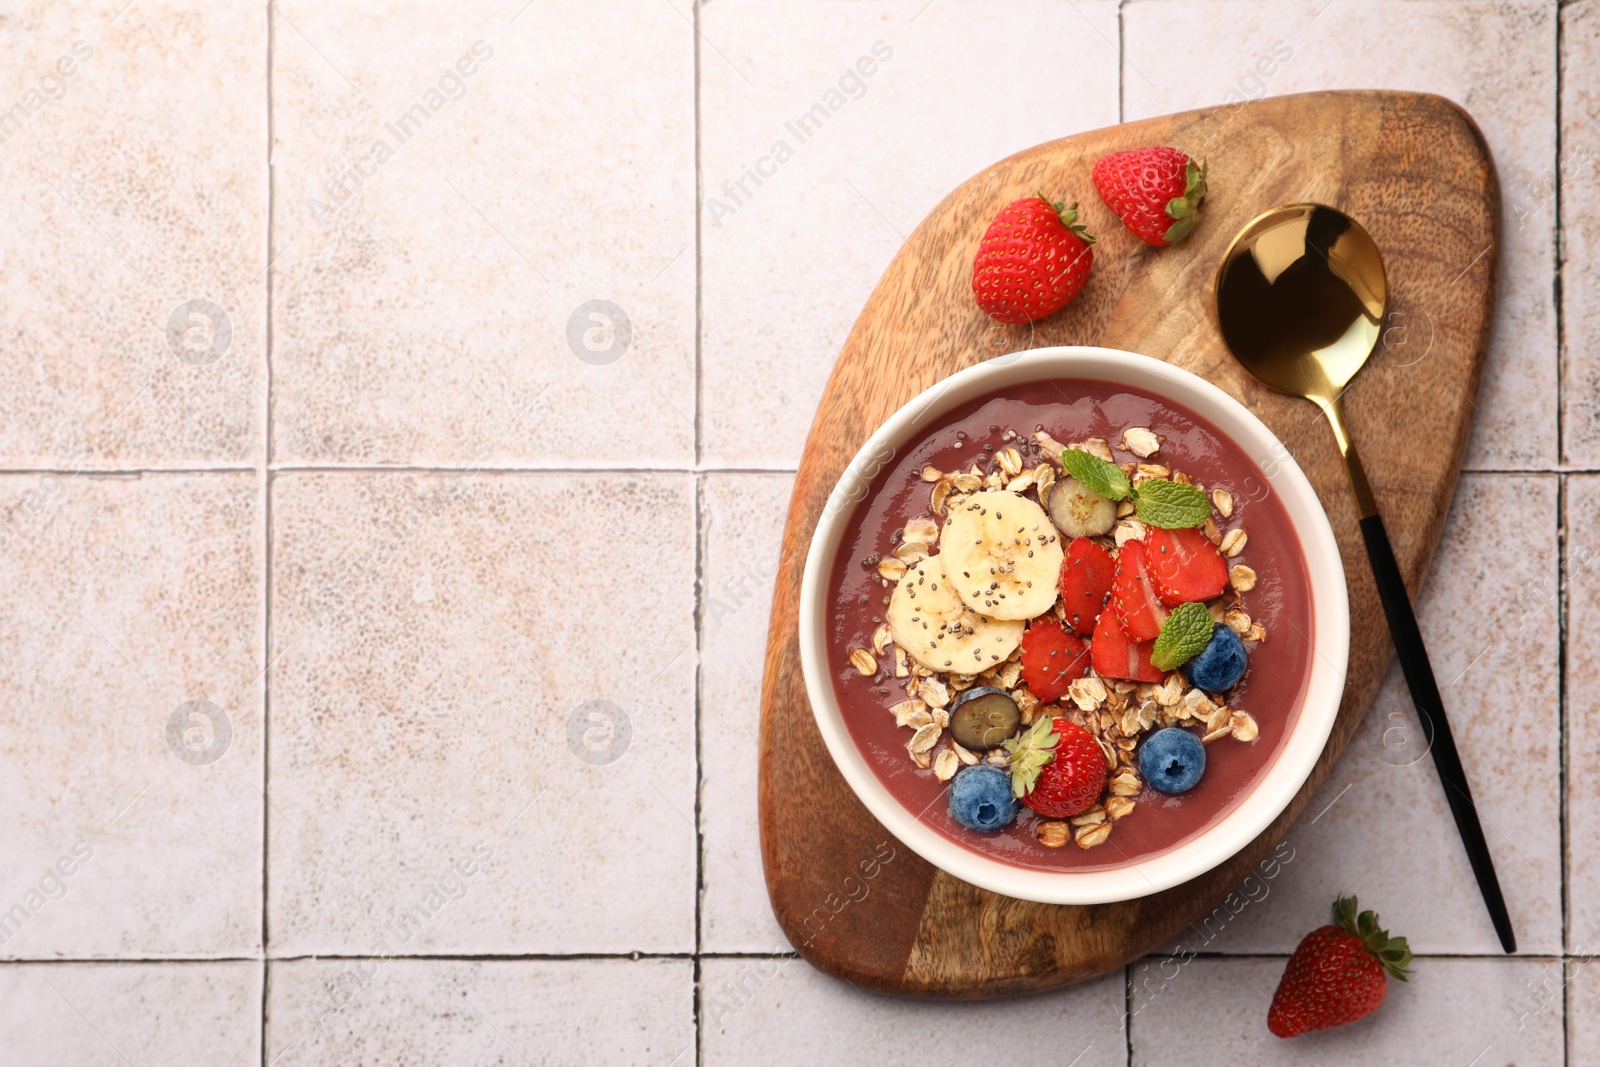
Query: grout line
x,y
460,957
266,558
1562,593
1127,1011
1562,811
266,980
1488,955
400,468
699,251
1122,62
132,472
379,468
700,545
696,999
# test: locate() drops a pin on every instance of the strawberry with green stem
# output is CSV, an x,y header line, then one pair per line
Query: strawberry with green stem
x,y
1057,768
1338,973
1032,260
1155,191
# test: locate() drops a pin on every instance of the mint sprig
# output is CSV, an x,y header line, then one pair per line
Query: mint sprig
x,y
1184,635
1169,505
1030,752
1099,475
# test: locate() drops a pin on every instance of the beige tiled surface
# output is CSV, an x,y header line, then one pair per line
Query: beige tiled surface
x,y
1580,217
126,598
438,641
1214,1011
115,1014
781,1012
579,1012
1580,982
434,638
133,186
426,272
1380,826
788,265
1583,715
741,534
1495,58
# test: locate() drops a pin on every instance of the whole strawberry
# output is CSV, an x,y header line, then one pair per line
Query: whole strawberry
x,y
1337,974
1156,192
1033,259
1071,783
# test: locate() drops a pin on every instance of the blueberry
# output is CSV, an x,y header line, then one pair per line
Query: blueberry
x,y
980,798
1221,665
1172,760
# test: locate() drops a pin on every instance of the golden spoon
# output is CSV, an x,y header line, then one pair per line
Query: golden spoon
x,y
1300,297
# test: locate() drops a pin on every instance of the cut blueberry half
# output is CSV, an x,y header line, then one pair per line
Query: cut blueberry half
x,y
984,717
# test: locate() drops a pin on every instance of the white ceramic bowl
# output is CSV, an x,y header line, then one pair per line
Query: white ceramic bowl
x,y
1330,612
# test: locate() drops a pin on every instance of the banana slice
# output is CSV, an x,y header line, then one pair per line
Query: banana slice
x,y
1079,511
1003,554
940,632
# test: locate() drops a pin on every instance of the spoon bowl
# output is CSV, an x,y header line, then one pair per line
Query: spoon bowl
x,y
1301,297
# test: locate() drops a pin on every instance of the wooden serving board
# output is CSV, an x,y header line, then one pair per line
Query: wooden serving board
x,y
1415,171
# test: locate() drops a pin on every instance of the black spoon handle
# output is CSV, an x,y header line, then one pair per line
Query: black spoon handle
x,y
1435,727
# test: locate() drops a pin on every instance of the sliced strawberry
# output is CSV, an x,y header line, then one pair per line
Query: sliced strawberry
x,y
1134,596
1186,567
1114,656
1086,576
1051,659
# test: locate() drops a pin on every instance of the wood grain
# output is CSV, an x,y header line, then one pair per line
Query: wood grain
x,y
1415,171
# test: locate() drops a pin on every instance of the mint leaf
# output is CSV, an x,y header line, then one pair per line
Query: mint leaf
x,y
1095,473
1030,752
1184,635
1170,505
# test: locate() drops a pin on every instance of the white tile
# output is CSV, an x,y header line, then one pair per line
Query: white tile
x,y
127,601
115,1014
1379,827
372,1011
741,530
1574,984
1451,1011
1496,59
429,272
1579,178
788,264
783,1011
441,643
1583,714
135,184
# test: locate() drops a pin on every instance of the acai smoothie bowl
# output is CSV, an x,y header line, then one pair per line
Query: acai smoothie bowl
x,y
1074,625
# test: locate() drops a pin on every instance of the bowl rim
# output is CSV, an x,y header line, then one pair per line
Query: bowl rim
x,y
1279,781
